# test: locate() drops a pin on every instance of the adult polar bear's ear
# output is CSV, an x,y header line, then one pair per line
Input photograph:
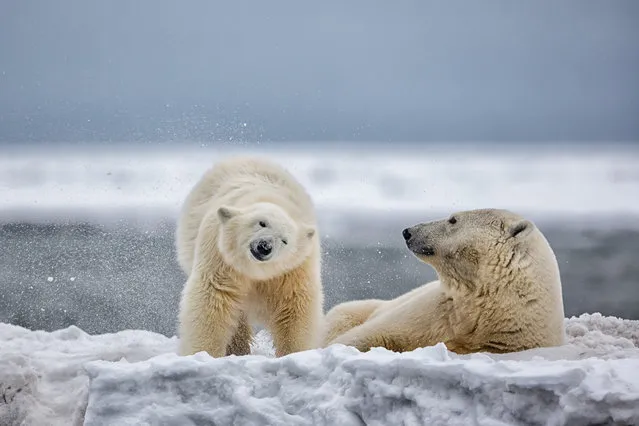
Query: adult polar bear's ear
x,y
226,212
308,230
520,229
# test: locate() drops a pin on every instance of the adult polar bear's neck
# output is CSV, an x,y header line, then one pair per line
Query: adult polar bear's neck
x,y
512,294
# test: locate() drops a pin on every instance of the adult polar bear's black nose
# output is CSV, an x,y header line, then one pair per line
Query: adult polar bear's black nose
x,y
406,233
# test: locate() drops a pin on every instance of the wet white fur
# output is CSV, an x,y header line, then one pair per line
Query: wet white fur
x,y
227,288
499,290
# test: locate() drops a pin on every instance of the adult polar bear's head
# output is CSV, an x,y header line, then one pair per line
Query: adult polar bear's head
x,y
262,241
483,246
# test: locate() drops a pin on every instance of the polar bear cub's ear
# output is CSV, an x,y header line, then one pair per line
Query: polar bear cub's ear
x,y
520,229
226,212
308,230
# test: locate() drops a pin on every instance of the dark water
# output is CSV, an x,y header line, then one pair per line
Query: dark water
x,y
105,279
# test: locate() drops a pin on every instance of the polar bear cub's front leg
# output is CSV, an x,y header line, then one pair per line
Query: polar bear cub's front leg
x,y
209,318
295,310
295,330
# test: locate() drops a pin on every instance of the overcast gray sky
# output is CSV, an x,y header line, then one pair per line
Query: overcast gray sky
x,y
359,70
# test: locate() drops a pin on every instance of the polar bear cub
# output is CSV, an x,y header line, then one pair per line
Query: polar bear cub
x,y
499,290
247,238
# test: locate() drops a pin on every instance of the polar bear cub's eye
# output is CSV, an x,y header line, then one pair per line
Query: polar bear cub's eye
x,y
262,224
452,220
284,242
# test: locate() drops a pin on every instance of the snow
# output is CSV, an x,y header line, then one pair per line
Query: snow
x,y
157,181
134,377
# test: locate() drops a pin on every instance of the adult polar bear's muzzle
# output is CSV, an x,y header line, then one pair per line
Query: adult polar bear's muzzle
x,y
417,241
262,249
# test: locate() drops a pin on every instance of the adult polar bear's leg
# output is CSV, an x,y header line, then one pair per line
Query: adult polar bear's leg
x,y
373,333
347,315
405,323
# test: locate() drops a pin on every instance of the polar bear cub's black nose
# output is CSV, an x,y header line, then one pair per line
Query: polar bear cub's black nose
x,y
261,249
406,233
264,247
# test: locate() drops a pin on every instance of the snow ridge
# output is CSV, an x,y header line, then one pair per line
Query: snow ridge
x,y
68,377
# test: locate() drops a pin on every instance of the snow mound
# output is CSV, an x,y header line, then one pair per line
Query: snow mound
x,y
42,380
135,378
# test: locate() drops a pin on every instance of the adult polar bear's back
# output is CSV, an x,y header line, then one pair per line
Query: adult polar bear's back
x,y
239,182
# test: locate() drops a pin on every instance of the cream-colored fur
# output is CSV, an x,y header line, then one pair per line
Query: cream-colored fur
x,y
237,206
499,290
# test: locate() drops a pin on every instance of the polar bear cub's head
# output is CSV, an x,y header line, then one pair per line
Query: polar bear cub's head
x,y
262,240
482,246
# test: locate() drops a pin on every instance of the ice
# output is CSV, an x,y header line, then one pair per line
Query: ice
x,y
553,183
134,377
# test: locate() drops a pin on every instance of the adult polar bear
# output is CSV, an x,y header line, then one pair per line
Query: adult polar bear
x,y
499,290
247,239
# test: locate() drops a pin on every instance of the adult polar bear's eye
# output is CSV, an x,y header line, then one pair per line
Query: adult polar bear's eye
x,y
262,224
452,220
